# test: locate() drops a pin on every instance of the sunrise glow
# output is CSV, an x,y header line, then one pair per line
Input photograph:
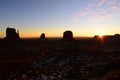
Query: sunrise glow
x,y
83,17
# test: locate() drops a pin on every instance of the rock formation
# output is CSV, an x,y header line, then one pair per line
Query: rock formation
x,y
68,35
42,37
117,35
11,34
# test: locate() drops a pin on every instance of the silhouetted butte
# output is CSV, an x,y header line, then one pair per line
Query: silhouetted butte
x,y
68,36
11,36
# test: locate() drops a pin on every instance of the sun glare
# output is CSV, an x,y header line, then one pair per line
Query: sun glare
x,y
100,34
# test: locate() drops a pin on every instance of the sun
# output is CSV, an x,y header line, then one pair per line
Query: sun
x,y
100,34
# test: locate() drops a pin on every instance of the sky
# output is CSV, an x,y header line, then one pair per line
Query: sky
x,y
52,17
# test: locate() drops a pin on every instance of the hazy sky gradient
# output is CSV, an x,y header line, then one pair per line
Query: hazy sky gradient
x,y
53,17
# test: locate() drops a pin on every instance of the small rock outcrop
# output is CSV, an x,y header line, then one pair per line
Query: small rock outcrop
x,y
42,37
68,35
117,35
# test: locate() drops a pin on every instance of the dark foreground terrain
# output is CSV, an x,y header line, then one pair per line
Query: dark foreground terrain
x,y
56,59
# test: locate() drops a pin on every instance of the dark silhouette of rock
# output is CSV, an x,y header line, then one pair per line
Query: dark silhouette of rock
x,y
12,37
96,37
117,35
68,35
42,37
11,34
107,39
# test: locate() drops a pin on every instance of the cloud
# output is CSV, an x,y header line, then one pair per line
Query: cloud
x,y
115,8
111,2
101,2
84,13
101,16
98,12
90,5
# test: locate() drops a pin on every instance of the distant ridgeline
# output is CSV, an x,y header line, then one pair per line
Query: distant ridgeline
x,y
13,35
108,38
